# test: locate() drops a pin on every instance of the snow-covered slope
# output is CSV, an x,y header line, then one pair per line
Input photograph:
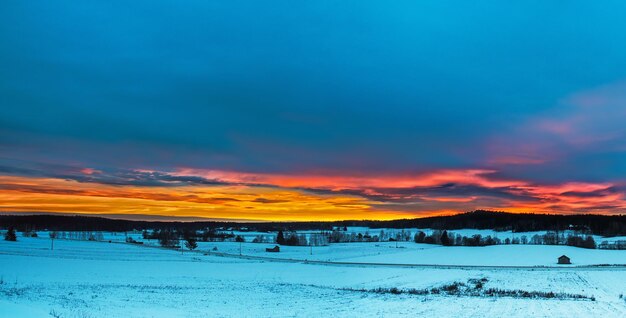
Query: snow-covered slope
x,y
97,279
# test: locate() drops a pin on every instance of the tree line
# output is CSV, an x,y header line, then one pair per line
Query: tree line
x,y
499,221
446,238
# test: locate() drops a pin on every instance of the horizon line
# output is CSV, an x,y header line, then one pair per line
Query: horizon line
x,y
191,219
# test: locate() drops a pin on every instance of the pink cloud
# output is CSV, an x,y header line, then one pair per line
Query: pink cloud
x,y
90,171
582,121
479,177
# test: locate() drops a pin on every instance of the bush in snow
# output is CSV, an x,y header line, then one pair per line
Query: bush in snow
x,y
167,238
474,288
29,233
419,237
10,235
280,238
191,244
445,241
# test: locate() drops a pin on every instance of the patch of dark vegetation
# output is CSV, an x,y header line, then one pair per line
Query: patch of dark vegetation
x,y
10,235
474,288
496,292
12,291
8,290
478,282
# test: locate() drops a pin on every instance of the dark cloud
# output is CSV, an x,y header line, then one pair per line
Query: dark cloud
x,y
593,194
141,178
265,200
120,177
422,194
377,87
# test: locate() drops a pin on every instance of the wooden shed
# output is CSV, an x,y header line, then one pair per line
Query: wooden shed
x,y
274,249
564,260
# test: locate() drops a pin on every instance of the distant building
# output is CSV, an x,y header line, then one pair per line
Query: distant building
x,y
564,260
274,249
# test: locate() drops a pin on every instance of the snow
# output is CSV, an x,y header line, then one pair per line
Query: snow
x,y
101,279
428,254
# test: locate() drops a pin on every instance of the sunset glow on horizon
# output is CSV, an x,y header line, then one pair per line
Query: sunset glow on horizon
x,y
264,197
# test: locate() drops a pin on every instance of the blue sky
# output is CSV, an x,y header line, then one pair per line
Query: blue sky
x,y
529,91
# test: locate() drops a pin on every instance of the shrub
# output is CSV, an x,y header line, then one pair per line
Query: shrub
x,y
419,237
167,238
445,241
280,239
10,235
191,244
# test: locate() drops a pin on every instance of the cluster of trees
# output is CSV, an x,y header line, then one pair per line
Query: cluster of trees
x,y
172,239
516,222
343,237
338,236
554,238
291,238
206,235
166,238
191,244
10,235
579,241
80,235
450,239
550,238
295,239
211,235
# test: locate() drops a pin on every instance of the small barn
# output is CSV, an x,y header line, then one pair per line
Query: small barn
x,y
274,249
564,260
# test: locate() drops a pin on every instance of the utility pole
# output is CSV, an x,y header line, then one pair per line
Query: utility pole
x,y
52,235
513,228
396,239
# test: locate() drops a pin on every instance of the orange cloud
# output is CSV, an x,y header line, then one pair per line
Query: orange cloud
x,y
241,202
310,197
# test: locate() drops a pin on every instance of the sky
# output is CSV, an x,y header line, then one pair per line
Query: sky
x,y
312,110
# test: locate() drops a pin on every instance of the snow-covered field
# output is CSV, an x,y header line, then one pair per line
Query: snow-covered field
x,y
412,231
101,279
428,254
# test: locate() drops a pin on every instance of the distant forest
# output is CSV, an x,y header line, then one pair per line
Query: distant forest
x,y
500,221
